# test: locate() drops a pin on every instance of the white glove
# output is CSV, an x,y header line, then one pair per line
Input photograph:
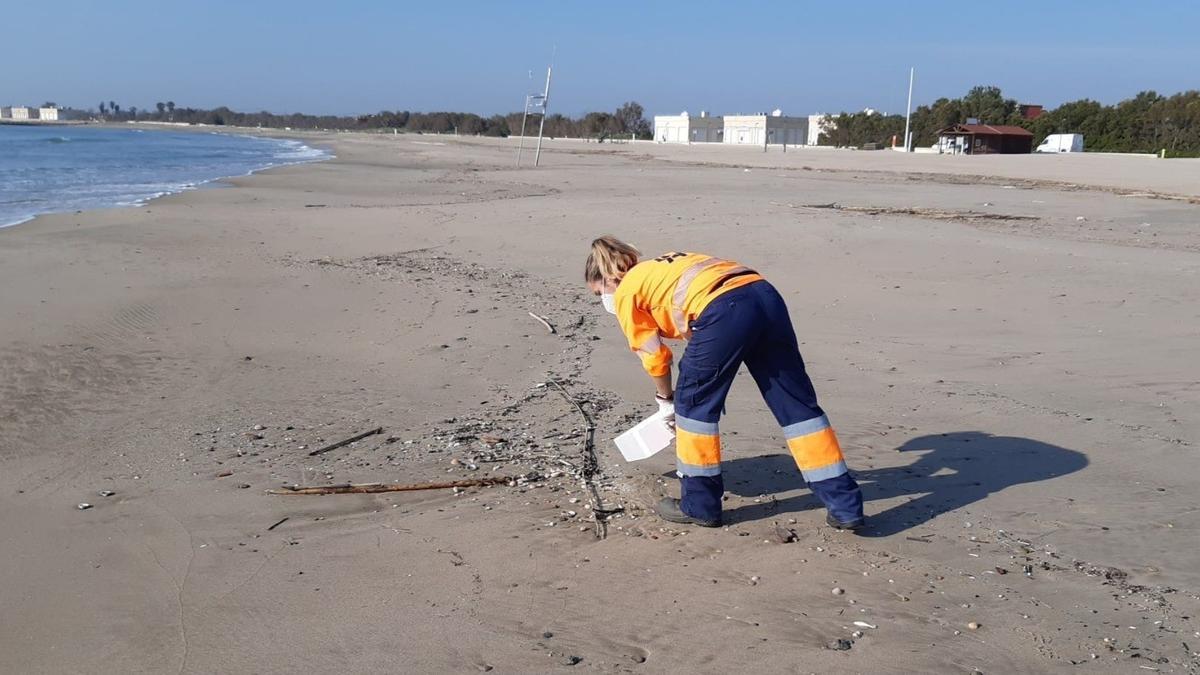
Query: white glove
x,y
666,407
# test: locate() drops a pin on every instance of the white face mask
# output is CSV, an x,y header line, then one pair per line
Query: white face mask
x,y
610,305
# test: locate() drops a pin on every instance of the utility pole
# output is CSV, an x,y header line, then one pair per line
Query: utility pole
x,y
908,111
537,156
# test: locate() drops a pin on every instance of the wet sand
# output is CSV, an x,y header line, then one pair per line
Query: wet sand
x,y
1006,345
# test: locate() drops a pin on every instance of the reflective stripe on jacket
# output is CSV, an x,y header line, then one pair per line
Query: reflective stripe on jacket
x,y
658,298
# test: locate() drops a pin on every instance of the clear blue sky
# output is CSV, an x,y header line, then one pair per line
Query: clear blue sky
x,y
741,55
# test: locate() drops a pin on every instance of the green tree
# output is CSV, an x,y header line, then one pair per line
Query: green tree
x,y
393,120
928,120
988,105
497,125
862,129
513,121
630,118
600,125
1083,116
561,126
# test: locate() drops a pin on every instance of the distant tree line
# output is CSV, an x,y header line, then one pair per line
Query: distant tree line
x,y
627,120
1147,122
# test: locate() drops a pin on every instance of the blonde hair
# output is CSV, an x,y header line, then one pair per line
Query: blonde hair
x,y
610,258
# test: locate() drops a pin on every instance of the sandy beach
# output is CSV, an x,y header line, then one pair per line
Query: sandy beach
x,y
1006,345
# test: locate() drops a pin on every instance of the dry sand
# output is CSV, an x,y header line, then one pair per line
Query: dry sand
x,y
1018,396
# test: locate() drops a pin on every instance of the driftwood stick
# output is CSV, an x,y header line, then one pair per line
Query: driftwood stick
x,y
586,417
370,488
348,441
544,322
591,466
934,214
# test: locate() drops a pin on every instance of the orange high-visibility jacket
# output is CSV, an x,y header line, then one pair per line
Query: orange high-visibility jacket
x,y
658,298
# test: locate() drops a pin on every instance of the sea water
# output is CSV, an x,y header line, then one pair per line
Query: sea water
x,y
52,169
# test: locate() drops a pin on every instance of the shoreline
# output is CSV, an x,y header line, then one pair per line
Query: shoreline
x,y
1025,456
327,156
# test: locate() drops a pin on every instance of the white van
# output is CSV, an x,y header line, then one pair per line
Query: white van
x,y
1061,143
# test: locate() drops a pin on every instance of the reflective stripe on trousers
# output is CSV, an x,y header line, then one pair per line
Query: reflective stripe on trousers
x,y
697,447
815,448
813,445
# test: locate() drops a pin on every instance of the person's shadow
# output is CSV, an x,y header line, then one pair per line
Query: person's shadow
x,y
954,469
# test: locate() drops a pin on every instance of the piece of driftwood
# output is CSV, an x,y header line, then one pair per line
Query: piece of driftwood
x,y
591,466
370,488
348,441
544,322
933,214
278,523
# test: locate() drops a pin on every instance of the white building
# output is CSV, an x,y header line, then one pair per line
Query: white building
x,y
773,129
5,113
683,128
817,125
48,114
22,113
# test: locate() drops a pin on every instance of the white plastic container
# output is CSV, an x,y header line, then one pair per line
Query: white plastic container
x,y
646,438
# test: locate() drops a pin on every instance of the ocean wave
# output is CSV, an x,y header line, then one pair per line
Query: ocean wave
x,y
27,200
68,139
17,220
128,172
146,199
299,151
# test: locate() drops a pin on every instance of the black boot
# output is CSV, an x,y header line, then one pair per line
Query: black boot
x,y
669,510
852,525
